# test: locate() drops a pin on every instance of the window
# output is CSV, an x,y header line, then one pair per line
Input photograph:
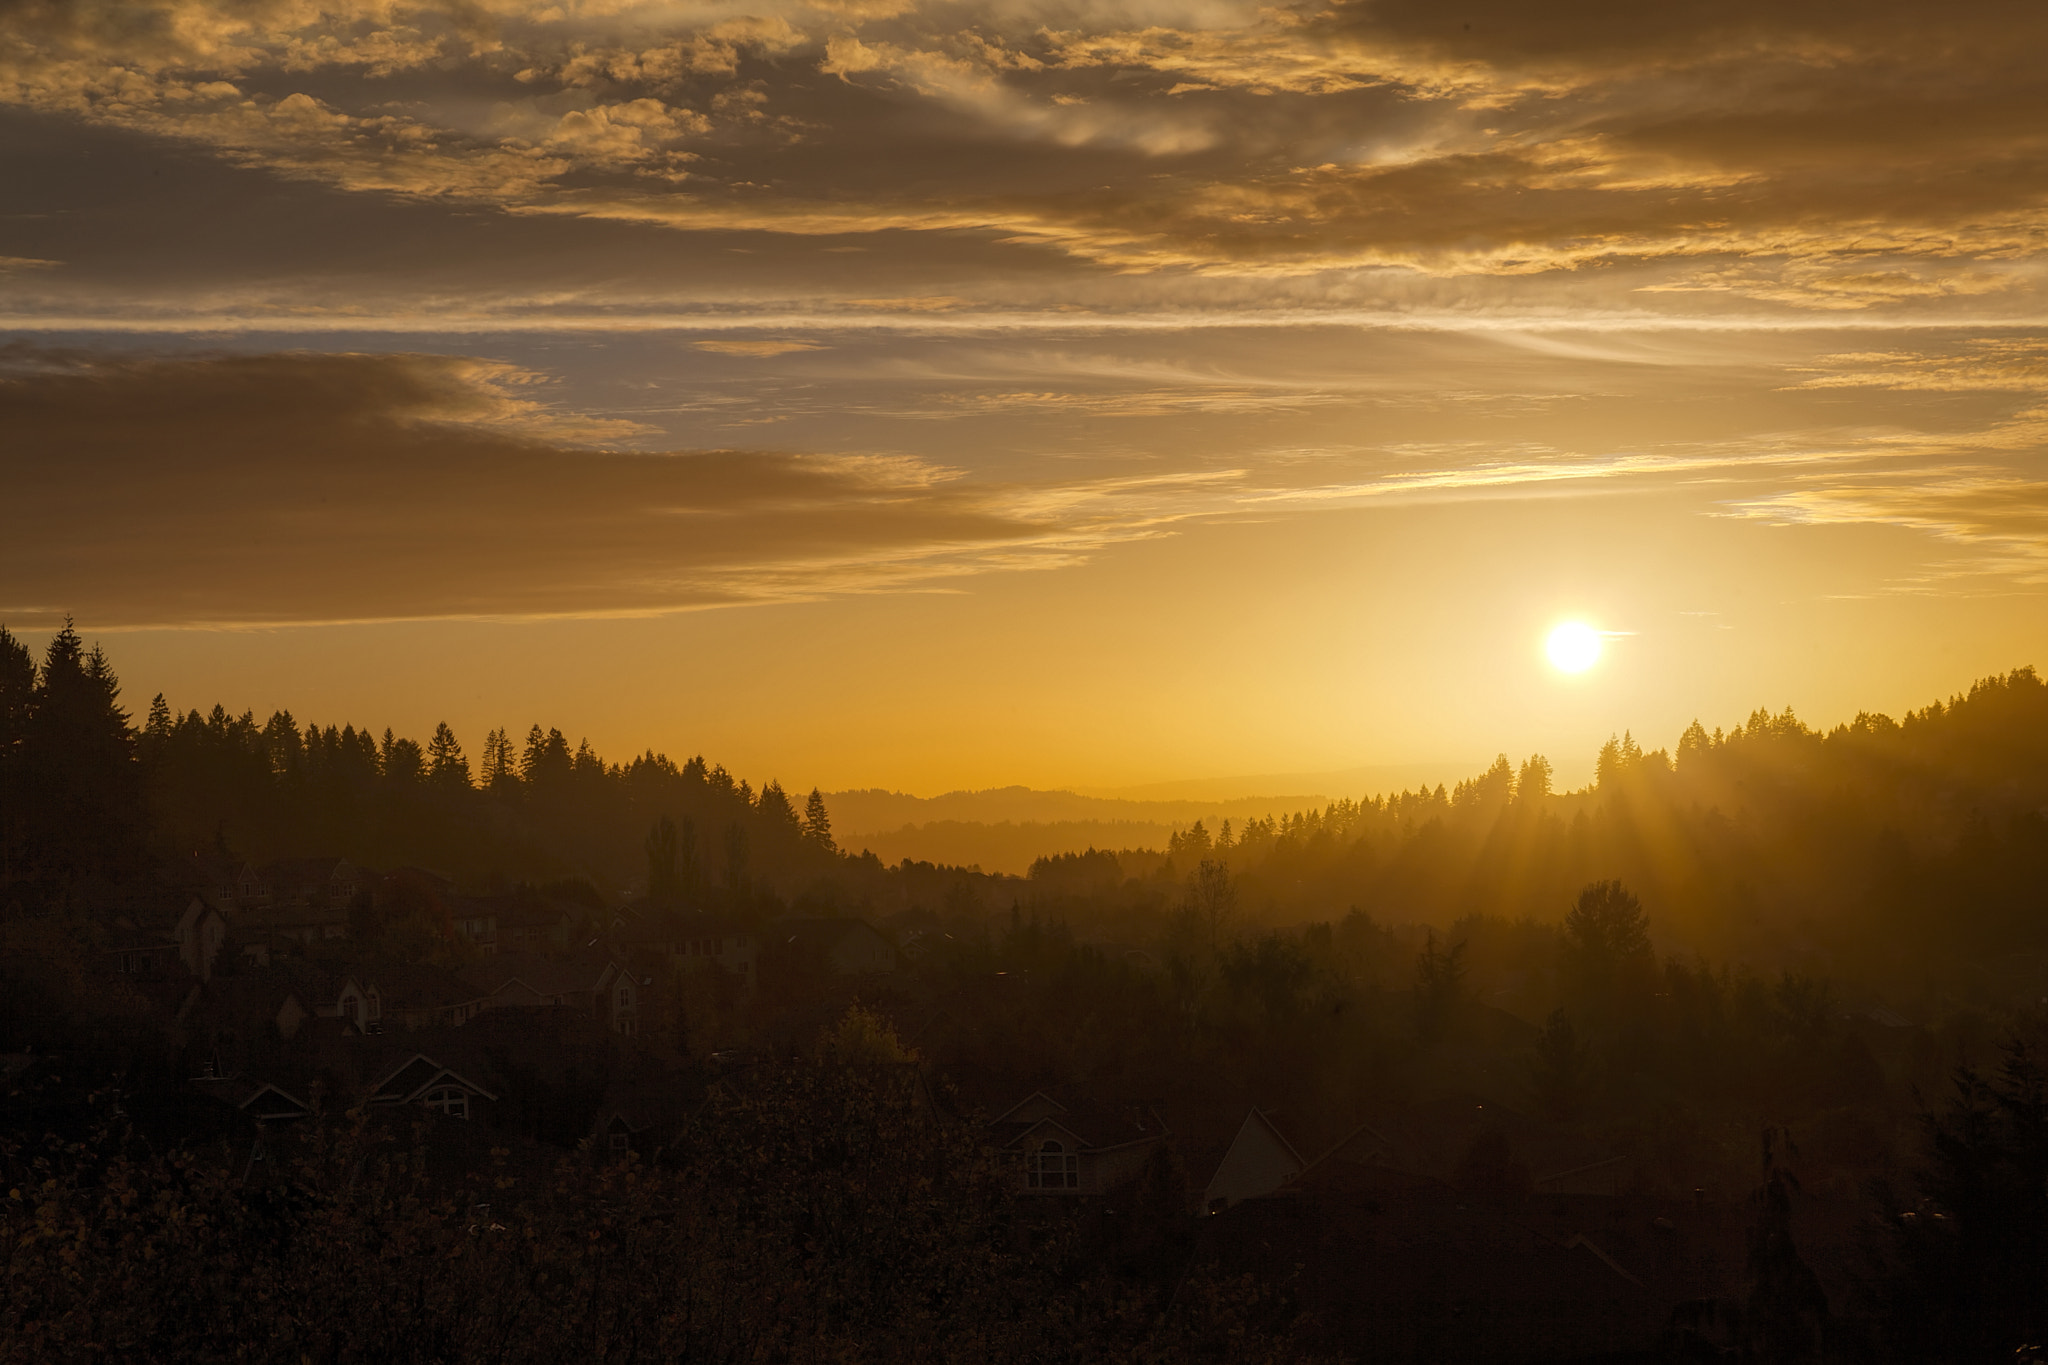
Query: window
x,y
625,997
449,1100
620,1142
1053,1167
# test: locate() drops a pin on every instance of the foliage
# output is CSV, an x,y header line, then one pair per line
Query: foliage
x,y
816,1213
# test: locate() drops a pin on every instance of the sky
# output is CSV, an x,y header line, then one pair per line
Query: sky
x,y
871,393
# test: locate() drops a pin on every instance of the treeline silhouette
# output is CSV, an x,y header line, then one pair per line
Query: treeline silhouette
x,y
1837,939
91,799
1882,847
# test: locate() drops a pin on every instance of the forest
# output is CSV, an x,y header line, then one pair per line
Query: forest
x,y
1790,983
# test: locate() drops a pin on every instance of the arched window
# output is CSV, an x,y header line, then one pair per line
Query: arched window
x,y
1053,1167
450,1100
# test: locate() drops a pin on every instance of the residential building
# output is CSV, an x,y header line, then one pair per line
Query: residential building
x,y
1074,1147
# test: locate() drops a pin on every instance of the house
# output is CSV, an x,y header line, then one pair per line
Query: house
x,y
615,986
1076,1148
315,881
849,947
231,885
417,996
1260,1161
476,919
262,1101
529,922
141,954
306,922
419,1079
617,1133
686,937
623,994
193,940
523,980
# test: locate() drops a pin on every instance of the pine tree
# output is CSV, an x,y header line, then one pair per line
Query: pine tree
x,y
497,771
817,823
401,760
79,766
282,745
446,767
775,806
17,708
546,761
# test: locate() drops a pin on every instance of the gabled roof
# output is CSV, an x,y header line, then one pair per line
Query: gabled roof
x,y
1030,1109
1260,1161
415,1076
545,976
822,934
264,1101
1092,1126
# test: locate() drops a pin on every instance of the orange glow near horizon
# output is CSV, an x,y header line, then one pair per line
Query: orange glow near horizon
x,y
927,398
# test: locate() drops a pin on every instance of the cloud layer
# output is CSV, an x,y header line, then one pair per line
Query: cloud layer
x,y
350,487
1801,156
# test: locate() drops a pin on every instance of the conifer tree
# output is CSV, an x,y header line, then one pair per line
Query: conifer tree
x,y
775,806
817,822
446,766
78,762
282,745
17,706
497,771
157,728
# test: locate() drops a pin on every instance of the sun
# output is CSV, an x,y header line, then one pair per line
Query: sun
x,y
1573,647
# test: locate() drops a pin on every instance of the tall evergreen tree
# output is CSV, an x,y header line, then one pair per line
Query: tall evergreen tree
x,y
775,807
84,786
17,709
446,766
817,822
497,768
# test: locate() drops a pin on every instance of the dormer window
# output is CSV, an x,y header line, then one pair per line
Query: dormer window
x,y
450,1100
1053,1167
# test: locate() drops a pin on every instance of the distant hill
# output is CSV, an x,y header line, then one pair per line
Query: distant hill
x,y
1002,829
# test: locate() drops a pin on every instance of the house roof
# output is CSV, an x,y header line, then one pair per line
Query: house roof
x,y
1093,1123
821,934
264,1101
295,917
299,873
549,976
415,1076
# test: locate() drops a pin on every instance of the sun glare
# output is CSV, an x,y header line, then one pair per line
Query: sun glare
x,y
1574,647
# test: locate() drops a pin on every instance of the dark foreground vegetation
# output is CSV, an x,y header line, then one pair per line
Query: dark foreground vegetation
x,y
1736,1054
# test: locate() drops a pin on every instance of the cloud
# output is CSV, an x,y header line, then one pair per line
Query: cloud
x,y
1819,159
1998,518
759,350
1983,365
311,487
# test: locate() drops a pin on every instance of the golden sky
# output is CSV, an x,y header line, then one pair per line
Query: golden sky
x,y
869,392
